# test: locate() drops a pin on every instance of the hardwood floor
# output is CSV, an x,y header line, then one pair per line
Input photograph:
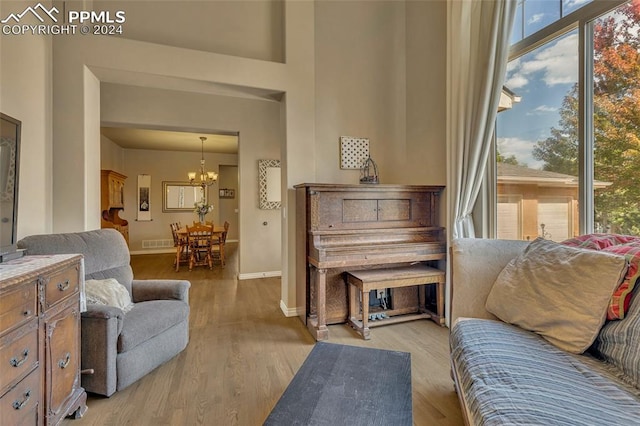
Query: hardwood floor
x,y
243,352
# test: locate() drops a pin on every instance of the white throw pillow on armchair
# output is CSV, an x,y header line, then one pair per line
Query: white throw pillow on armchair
x,y
108,292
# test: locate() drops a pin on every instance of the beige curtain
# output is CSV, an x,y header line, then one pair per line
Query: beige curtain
x,y
477,53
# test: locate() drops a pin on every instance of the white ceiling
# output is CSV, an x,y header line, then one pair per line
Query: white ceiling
x,y
165,140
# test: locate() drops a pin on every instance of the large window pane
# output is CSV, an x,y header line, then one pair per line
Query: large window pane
x,y
569,6
616,99
533,15
539,13
537,144
517,31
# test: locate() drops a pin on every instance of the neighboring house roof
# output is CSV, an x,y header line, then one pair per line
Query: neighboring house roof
x,y
520,175
507,99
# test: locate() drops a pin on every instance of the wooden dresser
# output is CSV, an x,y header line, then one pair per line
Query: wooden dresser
x,y
40,340
343,228
112,202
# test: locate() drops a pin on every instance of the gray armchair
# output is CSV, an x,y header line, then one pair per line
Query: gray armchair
x,y
121,348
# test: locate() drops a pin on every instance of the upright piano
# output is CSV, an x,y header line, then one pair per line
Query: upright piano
x,y
352,227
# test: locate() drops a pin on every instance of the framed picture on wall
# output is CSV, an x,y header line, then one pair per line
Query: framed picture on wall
x,y
227,193
144,198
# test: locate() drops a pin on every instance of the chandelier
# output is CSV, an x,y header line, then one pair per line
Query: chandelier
x,y
206,178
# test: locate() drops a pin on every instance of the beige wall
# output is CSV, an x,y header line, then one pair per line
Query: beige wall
x,y
25,94
259,138
111,155
163,166
92,149
248,28
423,159
360,83
380,73
358,68
229,207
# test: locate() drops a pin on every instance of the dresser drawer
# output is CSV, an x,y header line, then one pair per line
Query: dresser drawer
x,y
20,406
18,354
17,307
61,285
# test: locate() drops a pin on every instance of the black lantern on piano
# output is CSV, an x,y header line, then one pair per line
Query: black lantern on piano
x,y
369,171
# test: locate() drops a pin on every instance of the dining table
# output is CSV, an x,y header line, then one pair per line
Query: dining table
x,y
217,232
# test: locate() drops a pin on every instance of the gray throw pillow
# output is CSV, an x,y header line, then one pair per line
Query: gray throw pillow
x,y
559,292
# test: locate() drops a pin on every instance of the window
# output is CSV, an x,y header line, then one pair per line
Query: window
x,y
616,120
569,146
526,167
534,15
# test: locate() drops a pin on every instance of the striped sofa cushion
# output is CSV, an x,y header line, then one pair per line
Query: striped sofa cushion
x,y
618,343
510,376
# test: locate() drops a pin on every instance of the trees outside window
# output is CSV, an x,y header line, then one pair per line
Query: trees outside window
x,y
615,123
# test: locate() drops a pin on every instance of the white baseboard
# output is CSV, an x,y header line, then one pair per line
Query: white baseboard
x,y
288,312
255,275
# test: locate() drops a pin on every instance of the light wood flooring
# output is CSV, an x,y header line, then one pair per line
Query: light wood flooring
x,y
243,352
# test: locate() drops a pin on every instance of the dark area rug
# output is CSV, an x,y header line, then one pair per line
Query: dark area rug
x,y
348,385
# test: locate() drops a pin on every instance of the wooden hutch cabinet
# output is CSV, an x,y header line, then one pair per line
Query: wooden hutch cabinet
x,y
112,202
40,340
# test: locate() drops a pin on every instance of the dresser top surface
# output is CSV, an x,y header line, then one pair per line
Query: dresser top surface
x,y
27,266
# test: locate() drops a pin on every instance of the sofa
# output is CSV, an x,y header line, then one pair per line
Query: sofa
x,y
510,363
121,343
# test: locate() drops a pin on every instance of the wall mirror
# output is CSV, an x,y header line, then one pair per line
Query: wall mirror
x,y
180,196
269,183
9,171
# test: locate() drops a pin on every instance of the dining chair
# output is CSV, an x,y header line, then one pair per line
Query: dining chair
x,y
217,248
200,242
181,245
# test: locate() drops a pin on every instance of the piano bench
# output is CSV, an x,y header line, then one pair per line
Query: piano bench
x,y
373,279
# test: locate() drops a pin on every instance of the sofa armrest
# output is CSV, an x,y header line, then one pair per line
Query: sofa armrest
x,y
475,265
100,327
144,290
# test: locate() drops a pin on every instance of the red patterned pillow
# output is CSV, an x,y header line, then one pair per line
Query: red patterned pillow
x,y
620,300
624,245
600,241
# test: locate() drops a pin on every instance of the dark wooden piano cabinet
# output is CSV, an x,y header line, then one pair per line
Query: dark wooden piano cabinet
x,y
352,227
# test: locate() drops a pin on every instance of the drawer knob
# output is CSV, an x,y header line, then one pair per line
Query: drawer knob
x,y
64,363
63,285
19,405
27,312
15,362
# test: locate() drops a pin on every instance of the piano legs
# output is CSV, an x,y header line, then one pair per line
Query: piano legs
x,y
317,321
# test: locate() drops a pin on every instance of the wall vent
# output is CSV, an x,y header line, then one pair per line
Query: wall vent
x,y
156,244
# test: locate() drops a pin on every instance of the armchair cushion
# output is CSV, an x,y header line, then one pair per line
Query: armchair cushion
x,y
149,319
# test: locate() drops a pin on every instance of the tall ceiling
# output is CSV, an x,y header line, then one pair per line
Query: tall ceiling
x,y
252,30
165,140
